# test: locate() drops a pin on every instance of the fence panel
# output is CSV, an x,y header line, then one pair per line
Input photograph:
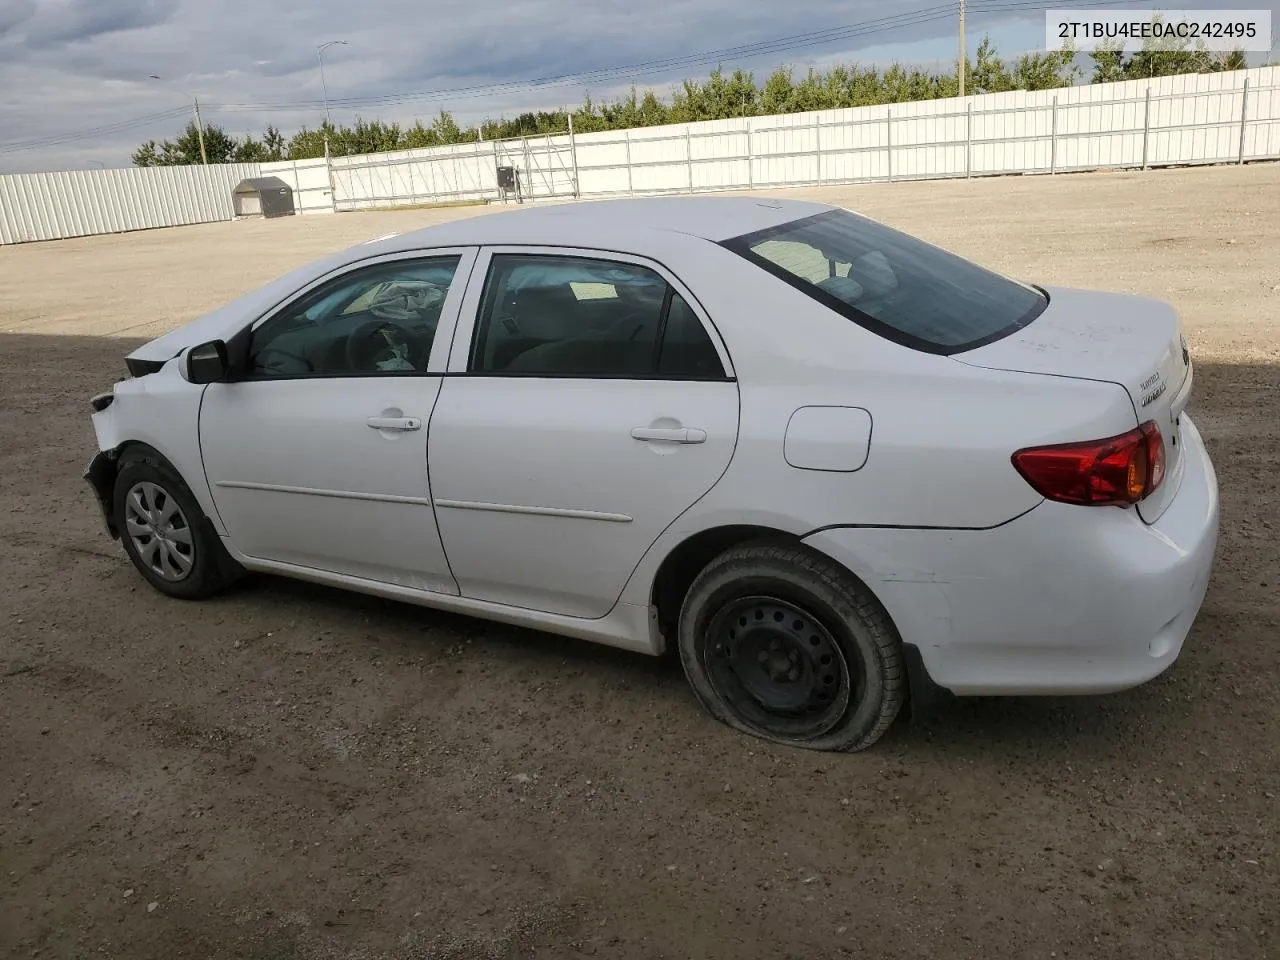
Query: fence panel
x,y
48,206
1195,118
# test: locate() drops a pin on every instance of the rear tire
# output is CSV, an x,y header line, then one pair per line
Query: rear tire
x,y
165,533
781,643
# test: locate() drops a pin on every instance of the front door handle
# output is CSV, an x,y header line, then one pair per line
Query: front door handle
x,y
394,423
670,434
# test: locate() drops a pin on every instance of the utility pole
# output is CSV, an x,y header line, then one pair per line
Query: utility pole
x,y
199,125
962,61
204,158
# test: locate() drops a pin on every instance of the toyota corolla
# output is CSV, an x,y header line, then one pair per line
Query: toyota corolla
x,y
835,467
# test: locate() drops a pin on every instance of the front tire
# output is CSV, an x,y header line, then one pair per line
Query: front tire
x,y
781,643
165,533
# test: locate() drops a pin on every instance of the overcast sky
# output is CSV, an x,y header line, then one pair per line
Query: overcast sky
x,y
67,66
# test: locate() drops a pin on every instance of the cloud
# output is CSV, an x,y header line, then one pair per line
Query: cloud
x,y
75,21
13,14
68,65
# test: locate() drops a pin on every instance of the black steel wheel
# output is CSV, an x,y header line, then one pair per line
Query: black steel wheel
x,y
780,642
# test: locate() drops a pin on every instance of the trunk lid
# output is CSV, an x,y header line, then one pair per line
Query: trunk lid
x,y
1132,341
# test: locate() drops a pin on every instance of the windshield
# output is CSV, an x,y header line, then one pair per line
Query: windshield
x,y
898,286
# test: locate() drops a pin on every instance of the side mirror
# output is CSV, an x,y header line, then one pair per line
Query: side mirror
x,y
208,362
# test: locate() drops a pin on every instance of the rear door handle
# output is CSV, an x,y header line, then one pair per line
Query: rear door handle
x,y
394,423
670,434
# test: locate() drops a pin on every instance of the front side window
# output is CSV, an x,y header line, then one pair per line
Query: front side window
x,y
546,315
903,288
373,320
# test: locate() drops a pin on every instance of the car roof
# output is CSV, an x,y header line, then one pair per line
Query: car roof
x,y
639,223
644,226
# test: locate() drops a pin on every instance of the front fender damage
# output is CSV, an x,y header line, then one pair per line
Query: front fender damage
x,y
101,477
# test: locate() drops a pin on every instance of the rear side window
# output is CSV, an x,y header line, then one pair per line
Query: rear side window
x,y
547,315
896,285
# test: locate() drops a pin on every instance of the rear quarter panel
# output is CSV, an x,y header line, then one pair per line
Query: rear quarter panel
x,y
942,432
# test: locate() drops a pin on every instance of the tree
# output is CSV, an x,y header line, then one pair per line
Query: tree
x,y
446,129
273,144
720,96
1108,63
990,75
1162,57
308,144
185,149
147,155
1045,71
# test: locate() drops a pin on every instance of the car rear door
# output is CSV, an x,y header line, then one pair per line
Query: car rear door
x,y
316,456
589,402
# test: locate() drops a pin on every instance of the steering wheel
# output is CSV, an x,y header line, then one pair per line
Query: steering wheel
x,y
380,341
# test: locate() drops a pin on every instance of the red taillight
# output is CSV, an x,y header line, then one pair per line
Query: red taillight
x,y
1118,470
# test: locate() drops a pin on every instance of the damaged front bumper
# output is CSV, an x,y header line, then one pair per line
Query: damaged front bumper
x,y
101,476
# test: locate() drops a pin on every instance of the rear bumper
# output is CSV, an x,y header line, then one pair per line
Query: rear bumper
x,y
1062,600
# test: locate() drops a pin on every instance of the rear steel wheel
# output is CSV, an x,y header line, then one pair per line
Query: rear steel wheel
x,y
782,643
781,666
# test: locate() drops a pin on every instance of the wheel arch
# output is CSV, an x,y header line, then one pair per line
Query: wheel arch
x,y
105,467
676,573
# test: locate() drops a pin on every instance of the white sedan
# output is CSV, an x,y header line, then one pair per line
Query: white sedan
x,y
838,468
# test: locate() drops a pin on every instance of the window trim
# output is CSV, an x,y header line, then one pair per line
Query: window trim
x,y
468,326
741,245
241,343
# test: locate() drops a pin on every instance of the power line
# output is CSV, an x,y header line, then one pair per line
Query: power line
x,y
829,35
742,51
118,126
918,17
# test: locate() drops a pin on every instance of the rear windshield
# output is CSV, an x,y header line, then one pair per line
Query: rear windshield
x,y
898,286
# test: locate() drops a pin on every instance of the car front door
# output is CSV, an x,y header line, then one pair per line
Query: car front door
x,y
316,453
589,403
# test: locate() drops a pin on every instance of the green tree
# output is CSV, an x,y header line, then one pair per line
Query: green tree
x,y
990,75
719,96
1108,63
308,144
219,147
273,145
250,150
1045,71
147,155
779,93
446,129
1233,60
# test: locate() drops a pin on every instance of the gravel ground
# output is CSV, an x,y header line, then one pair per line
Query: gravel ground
x,y
294,772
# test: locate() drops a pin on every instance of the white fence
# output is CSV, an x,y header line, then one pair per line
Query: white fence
x,y
1189,119
309,180
47,206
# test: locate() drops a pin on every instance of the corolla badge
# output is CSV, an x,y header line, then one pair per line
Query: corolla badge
x,y
1152,388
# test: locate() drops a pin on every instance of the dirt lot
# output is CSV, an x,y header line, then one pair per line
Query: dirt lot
x,y
295,772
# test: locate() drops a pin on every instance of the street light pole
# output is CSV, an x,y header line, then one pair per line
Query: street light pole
x,y
204,158
325,87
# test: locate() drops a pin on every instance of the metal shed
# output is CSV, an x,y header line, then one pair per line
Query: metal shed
x,y
263,197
